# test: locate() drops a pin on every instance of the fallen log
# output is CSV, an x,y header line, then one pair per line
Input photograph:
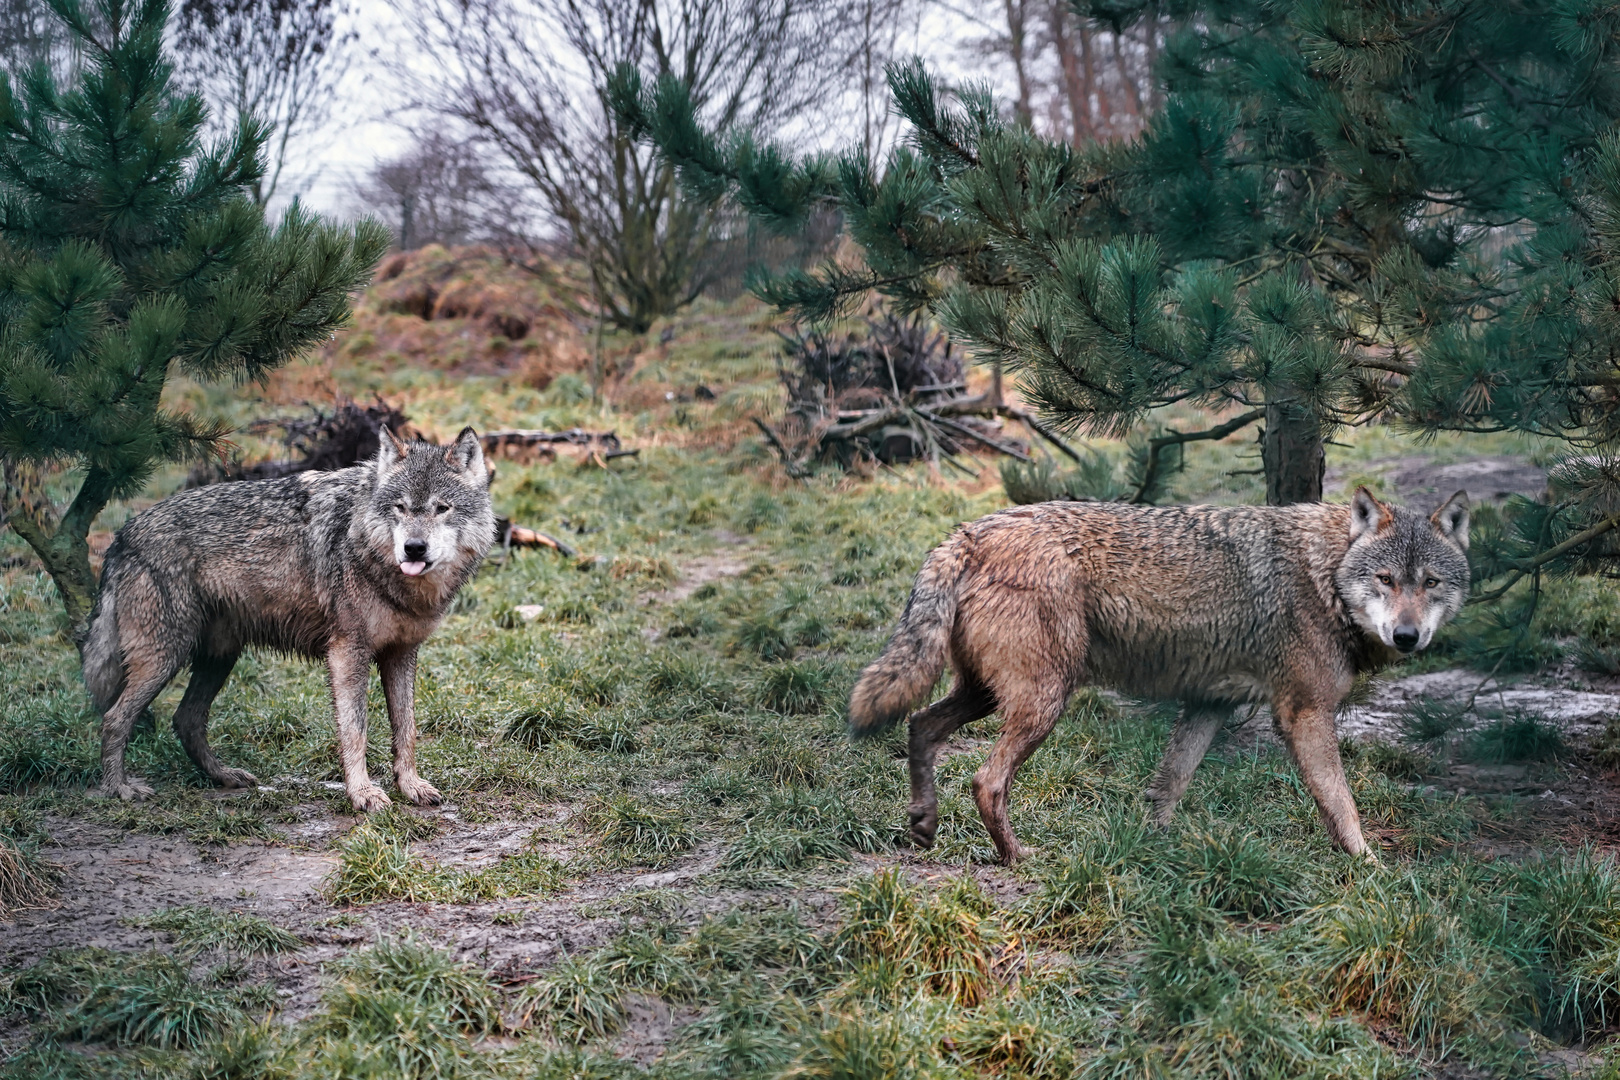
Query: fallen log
x,y
509,536
528,446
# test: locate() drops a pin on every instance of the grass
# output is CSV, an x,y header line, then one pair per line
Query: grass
x,y
142,999
376,864
235,933
701,844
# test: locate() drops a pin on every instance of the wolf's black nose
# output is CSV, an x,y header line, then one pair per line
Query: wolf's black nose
x,y
416,551
1406,638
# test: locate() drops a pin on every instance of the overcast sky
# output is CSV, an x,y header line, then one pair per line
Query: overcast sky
x,y
363,132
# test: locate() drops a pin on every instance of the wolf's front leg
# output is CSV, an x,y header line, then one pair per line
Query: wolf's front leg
x,y
399,687
350,669
1312,740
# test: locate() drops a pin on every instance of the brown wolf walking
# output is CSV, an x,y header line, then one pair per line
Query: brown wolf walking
x,y
351,566
1210,606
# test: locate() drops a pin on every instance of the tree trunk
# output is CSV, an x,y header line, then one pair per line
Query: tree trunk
x,y
1291,451
64,549
1016,37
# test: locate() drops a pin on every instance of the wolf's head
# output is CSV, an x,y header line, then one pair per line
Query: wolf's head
x,y
1405,575
430,508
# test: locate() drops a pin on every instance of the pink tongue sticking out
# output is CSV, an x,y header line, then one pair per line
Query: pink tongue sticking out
x,y
413,568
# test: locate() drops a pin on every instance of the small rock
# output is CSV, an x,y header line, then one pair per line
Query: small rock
x,y
528,612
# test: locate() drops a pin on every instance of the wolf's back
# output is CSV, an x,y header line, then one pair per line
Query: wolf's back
x,y
912,661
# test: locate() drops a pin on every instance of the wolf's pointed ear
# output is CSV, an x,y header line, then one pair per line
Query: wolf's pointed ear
x,y
1451,520
466,455
1367,514
390,448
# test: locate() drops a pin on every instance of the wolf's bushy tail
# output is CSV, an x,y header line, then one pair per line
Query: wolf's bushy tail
x,y
911,662
102,655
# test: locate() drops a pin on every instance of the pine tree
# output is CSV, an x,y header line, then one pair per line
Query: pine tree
x,y
1346,211
128,252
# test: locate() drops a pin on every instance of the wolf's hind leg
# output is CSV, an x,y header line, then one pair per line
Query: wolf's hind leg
x,y
1189,741
208,676
147,671
1027,719
399,689
969,700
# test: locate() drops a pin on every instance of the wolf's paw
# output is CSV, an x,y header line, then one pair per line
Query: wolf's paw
x,y
1160,815
419,791
369,798
1016,854
235,778
924,826
129,789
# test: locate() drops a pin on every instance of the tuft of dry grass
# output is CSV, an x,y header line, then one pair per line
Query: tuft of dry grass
x,y
906,936
26,880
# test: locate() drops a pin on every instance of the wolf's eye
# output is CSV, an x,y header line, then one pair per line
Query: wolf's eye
x,y
442,509
1431,582
399,508
1385,579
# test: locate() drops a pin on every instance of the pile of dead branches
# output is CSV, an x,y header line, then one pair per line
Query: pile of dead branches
x,y
318,440
893,392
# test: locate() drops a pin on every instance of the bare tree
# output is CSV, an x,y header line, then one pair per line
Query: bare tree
x,y
25,34
530,78
277,60
1104,79
30,34
1082,83
441,191
877,41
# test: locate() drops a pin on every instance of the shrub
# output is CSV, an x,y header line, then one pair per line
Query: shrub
x,y
1517,738
1094,479
1428,721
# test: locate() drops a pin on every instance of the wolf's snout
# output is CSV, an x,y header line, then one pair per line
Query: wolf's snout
x,y
415,560
1406,638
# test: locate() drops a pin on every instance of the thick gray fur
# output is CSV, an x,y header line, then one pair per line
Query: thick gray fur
x,y
313,564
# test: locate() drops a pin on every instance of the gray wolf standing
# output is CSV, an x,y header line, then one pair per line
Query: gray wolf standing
x,y
353,566
1210,606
